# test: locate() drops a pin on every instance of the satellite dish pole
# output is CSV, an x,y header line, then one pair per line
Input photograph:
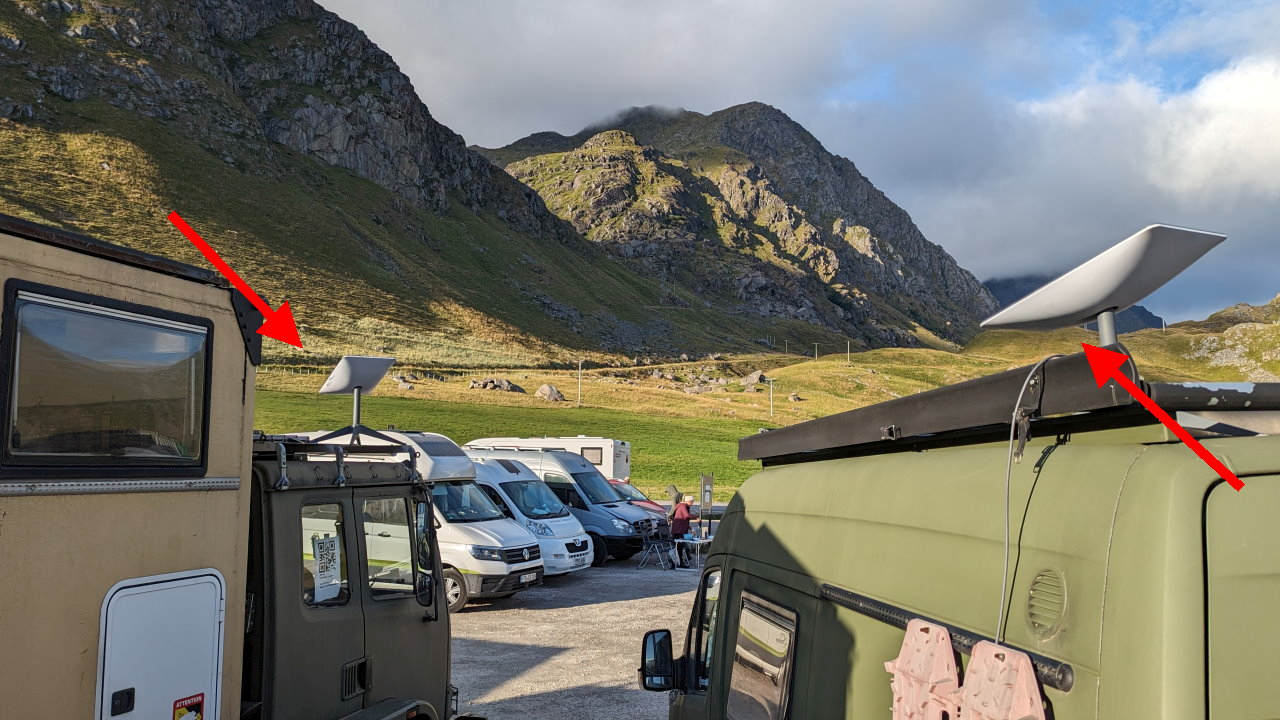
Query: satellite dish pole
x,y
1107,335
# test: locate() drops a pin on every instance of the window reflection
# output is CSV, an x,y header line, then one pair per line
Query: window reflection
x,y
388,547
91,383
762,656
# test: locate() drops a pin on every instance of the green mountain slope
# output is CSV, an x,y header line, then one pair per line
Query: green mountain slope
x,y
304,156
783,227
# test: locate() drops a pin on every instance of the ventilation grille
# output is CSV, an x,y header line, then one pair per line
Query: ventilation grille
x,y
355,678
1047,603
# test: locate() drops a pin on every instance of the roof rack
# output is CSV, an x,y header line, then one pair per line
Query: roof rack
x,y
283,449
1063,397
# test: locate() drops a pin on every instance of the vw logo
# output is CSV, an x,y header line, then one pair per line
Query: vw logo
x,y
526,553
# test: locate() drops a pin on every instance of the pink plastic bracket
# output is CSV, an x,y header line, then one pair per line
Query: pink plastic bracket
x,y
925,680
1000,684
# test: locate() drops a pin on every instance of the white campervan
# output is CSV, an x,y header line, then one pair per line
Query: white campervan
x,y
514,488
611,457
484,553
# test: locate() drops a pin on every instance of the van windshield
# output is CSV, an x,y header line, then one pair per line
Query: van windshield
x,y
596,488
535,499
462,501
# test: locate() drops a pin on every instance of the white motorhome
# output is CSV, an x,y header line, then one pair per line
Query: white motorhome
x,y
611,457
517,491
484,553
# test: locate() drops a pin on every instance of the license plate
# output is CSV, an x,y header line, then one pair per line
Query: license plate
x,y
528,577
579,562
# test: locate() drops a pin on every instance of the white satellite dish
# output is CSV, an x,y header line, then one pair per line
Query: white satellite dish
x,y
355,374
1115,280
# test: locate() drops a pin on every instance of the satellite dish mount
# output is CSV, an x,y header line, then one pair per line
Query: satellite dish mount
x,y
1114,280
355,374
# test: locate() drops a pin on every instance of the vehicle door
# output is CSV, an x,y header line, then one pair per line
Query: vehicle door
x,y
700,644
759,659
317,654
406,645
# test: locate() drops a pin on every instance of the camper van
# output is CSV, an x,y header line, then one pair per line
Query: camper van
x,y
485,554
519,493
611,457
202,575
616,526
1039,525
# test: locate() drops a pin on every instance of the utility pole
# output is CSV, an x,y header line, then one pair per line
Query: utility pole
x,y
848,353
579,383
786,347
770,397
815,352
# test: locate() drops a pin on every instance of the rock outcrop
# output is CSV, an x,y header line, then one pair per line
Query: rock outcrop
x,y
745,205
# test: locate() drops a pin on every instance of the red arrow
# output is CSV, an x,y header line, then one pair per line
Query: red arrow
x,y
1106,366
276,324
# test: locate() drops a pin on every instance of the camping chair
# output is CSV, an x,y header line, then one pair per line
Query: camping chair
x,y
657,545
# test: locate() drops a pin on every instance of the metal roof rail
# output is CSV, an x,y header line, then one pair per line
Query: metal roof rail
x,y
1063,397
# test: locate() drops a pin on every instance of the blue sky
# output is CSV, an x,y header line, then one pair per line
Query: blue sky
x,y
1021,137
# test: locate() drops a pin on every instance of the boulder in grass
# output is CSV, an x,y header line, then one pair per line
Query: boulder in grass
x,y
754,378
795,397
502,384
550,393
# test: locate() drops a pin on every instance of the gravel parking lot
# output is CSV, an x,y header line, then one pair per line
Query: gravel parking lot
x,y
570,648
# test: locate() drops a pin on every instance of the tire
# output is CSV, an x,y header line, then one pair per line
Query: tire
x,y
598,551
455,590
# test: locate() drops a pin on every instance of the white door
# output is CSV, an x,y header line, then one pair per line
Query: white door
x,y
160,647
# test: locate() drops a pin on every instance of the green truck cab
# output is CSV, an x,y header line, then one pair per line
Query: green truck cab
x,y
1142,584
1038,508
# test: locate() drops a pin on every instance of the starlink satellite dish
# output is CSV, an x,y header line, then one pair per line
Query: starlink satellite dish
x,y
1115,280
355,374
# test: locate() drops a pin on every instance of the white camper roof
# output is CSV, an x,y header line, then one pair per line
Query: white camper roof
x,y
439,458
517,442
500,470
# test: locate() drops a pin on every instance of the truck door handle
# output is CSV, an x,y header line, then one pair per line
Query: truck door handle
x,y
384,533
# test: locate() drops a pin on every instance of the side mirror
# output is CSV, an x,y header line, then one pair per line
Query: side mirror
x,y
657,669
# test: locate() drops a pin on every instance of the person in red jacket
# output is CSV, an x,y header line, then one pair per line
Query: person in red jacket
x,y
680,515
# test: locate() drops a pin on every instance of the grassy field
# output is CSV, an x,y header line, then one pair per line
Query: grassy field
x,y
676,435
664,449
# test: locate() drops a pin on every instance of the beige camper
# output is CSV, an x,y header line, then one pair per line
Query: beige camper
x,y
155,562
126,431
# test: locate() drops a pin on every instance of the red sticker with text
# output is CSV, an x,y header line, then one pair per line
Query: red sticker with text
x,y
189,708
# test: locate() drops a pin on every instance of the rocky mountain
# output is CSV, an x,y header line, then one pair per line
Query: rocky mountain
x,y
1243,337
303,154
745,206
1009,290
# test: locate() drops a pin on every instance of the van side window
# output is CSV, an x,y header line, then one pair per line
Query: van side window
x,y
760,679
94,384
324,556
387,547
704,636
563,488
497,499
